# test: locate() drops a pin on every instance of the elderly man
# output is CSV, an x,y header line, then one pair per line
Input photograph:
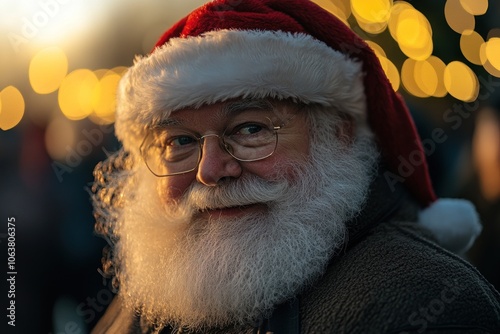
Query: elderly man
x,y
271,181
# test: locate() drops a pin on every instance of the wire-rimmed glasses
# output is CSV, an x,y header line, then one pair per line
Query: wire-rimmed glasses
x,y
174,150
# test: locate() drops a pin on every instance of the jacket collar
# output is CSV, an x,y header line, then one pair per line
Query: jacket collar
x,y
382,204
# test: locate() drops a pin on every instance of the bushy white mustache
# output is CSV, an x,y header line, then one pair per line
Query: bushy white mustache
x,y
236,193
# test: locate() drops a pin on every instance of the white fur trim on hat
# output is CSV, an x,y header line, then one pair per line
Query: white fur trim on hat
x,y
225,64
454,222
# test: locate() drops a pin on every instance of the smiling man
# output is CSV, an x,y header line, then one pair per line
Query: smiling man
x,y
260,188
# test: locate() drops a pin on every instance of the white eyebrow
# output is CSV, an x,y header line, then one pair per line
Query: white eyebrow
x,y
168,122
236,107
229,109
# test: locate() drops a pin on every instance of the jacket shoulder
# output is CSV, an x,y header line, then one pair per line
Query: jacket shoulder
x,y
398,280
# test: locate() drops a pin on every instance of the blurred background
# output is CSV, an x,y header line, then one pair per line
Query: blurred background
x,y
61,60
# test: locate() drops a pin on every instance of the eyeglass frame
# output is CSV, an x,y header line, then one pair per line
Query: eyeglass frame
x,y
275,128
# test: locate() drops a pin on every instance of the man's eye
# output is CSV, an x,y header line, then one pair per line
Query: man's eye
x,y
248,129
180,141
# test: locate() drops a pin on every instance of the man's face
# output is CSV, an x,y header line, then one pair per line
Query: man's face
x,y
228,241
217,165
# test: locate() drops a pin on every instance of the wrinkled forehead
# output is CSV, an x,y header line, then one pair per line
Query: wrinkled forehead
x,y
222,112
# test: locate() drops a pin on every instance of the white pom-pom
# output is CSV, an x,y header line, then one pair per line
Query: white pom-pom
x,y
454,222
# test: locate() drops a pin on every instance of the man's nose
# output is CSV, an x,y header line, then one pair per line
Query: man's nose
x,y
216,164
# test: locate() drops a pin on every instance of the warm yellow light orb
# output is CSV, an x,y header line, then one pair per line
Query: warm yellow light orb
x,y
379,51
76,92
104,97
47,69
475,7
439,66
12,107
408,79
426,77
461,82
372,16
457,17
390,71
493,52
414,34
470,45
373,11
398,8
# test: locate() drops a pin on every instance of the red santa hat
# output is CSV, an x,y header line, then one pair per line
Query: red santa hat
x,y
285,49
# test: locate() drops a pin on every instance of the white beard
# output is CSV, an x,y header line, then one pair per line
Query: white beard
x,y
179,270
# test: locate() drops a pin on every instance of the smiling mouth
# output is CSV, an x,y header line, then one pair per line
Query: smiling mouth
x,y
232,211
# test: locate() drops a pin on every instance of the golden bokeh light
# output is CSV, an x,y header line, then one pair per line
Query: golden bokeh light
x,y
457,17
47,69
379,51
439,66
426,77
390,71
408,78
413,29
60,135
491,69
372,28
486,63
418,53
461,82
104,97
101,121
492,50
470,45
482,54
373,11
393,22
413,33
372,16
389,68
76,92
12,111
475,7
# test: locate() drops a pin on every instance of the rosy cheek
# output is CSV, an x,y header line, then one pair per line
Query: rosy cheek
x,y
171,188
